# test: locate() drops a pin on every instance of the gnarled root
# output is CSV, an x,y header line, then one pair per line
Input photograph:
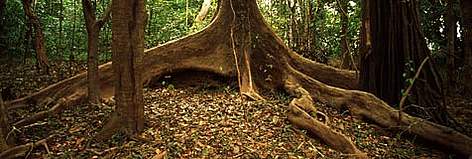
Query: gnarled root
x,y
373,109
300,109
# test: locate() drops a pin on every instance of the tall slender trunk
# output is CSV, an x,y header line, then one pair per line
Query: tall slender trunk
x,y
27,40
451,20
345,53
2,32
291,29
203,11
466,9
72,42
310,22
61,34
39,45
93,32
3,3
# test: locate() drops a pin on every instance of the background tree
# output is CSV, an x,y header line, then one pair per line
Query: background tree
x,y
466,9
39,45
451,29
128,48
239,44
2,8
345,53
392,39
203,11
93,31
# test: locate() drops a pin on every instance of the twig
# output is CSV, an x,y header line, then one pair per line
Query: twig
x,y
316,149
47,148
29,152
103,152
402,101
21,150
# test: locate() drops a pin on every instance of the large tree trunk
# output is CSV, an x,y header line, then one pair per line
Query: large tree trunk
x,y
93,31
396,38
239,44
466,8
39,45
128,23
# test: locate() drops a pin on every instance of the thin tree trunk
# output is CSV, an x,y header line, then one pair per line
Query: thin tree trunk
x,y
27,40
72,42
310,23
61,34
203,11
2,32
128,23
451,20
291,34
346,62
466,9
93,32
39,45
3,3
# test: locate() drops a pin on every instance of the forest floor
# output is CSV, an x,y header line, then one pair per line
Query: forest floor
x,y
200,122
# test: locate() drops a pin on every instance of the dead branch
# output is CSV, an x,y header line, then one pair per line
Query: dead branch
x,y
61,105
22,150
405,95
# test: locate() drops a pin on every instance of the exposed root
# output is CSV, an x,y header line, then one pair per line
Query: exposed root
x,y
253,95
22,150
260,60
373,109
301,119
62,104
299,109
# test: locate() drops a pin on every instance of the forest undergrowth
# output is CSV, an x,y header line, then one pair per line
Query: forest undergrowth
x,y
202,121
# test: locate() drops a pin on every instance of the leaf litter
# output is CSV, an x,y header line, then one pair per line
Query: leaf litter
x,y
195,122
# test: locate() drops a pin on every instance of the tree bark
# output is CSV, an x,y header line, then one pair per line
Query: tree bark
x,y
39,45
203,11
128,24
393,37
346,61
3,3
2,32
466,9
60,45
451,20
239,44
93,32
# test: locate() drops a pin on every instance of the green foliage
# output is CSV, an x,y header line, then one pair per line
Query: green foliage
x,y
65,33
433,24
14,17
66,38
325,24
